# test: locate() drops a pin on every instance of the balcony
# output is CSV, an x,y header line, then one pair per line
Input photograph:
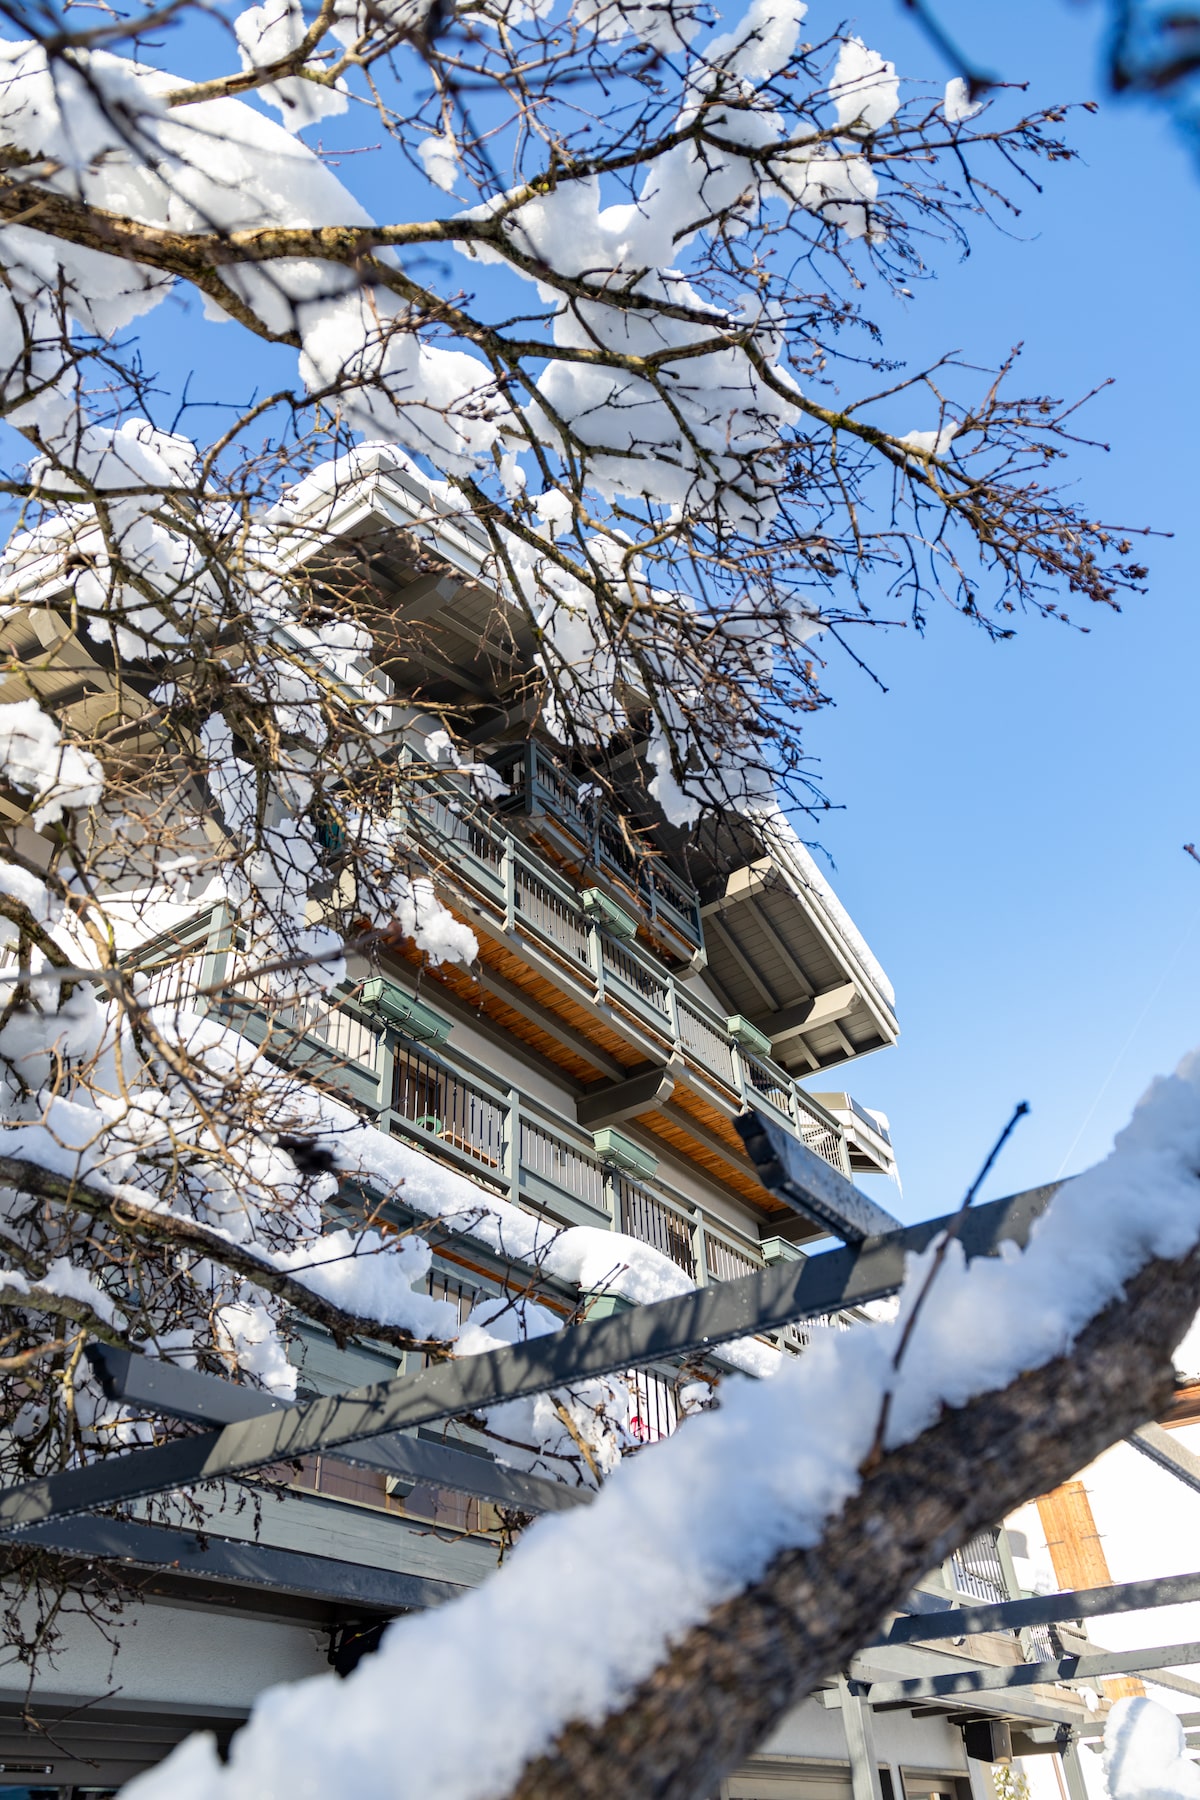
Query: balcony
x,y
868,1139
504,1142
587,838
636,1041
602,1006
496,1136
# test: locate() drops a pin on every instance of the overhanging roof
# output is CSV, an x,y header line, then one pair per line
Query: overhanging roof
x,y
788,958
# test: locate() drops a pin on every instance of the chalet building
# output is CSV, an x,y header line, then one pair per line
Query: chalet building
x,y
636,990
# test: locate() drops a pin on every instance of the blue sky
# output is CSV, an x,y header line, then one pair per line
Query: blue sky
x,y
1014,813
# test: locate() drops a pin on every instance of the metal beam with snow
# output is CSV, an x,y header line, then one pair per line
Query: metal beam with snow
x,y
694,1323
807,1183
147,1384
1043,1609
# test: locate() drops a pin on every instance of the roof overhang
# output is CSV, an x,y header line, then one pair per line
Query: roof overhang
x,y
789,961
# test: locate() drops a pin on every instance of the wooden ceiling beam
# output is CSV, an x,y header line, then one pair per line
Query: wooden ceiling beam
x,y
714,924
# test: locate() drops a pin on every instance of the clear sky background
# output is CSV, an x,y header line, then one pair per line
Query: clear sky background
x,y
1014,813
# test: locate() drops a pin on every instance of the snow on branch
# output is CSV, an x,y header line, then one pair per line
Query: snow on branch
x,y
604,359
355,1286
717,1578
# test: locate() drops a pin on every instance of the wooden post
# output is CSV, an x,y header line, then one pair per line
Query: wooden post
x,y
1078,1558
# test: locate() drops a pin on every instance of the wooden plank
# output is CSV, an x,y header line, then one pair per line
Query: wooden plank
x,y
1184,1408
690,1141
548,1021
1077,1555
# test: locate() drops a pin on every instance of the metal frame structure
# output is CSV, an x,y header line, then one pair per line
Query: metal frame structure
x,y
976,1679
247,1430
1043,1609
147,1385
687,1325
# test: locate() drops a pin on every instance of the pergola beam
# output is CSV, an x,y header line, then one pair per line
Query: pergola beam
x,y
1162,1449
688,1324
977,1678
231,1561
810,1185
1044,1609
148,1384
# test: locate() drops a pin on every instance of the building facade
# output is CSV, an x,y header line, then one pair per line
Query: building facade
x,y
636,990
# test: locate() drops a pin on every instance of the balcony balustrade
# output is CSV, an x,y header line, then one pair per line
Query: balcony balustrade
x,y
977,1571
488,1133
543,789
527,900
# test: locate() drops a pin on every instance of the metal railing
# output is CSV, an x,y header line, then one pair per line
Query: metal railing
x,y
537,904
704,1038
653,1221
561,1164
550,915
976,1569
725,1261
540,784
653,1412
643,986
443,1104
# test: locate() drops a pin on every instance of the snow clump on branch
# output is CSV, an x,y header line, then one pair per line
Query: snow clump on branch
x,y
1145,1753
34,758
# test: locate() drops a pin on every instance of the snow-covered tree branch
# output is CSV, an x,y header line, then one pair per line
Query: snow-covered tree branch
x,y
630,342
650,1634
593,294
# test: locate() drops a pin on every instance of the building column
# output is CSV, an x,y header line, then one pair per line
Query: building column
x,y
859,1729
979,1774
1076,1783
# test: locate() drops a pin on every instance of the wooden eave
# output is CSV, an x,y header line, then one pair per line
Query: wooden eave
x,y
773,963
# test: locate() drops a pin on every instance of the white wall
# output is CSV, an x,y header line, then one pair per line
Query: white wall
x,y
176,1654
812,1731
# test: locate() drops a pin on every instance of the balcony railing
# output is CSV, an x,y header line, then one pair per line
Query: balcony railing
x,y
976,1570
490,1134
529,900
497,1139
452,1109
644,1216
541,786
